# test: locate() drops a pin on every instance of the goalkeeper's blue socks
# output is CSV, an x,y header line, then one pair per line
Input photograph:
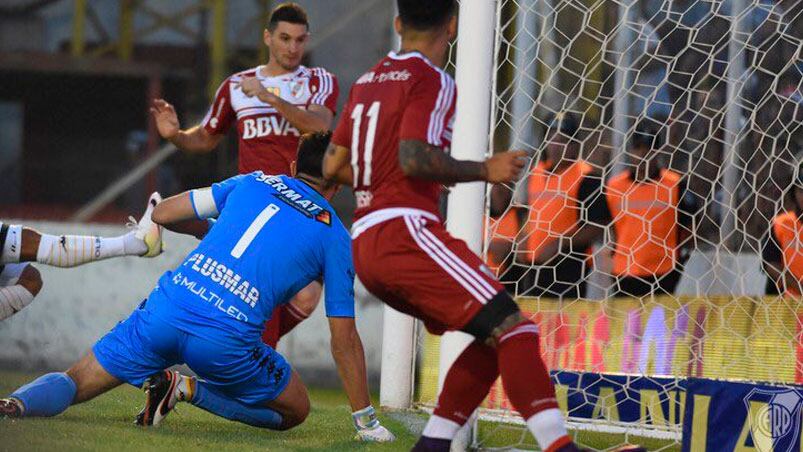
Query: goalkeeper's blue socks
x,y
208,399
46,396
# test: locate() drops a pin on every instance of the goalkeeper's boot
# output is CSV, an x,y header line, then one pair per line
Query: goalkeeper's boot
x,y
10,408
162,394
147,230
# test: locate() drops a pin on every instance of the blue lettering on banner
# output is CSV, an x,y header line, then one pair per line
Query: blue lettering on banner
x,y
651,401
712,415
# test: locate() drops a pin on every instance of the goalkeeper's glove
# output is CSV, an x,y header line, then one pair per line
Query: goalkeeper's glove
x,y
368,426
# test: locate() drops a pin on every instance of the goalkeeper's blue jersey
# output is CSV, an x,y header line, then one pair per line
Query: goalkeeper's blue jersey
x,y
273,236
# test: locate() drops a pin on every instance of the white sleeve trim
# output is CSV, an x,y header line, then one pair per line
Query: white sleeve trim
x,y
325,87
213,115
437,118
204,203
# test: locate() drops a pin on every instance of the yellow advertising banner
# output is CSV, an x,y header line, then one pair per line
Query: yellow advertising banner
x,y
736,339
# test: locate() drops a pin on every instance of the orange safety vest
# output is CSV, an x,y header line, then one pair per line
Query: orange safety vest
x,y
789,232
645,224
504,229
554,209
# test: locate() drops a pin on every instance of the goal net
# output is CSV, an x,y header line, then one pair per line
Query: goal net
x,y
644,269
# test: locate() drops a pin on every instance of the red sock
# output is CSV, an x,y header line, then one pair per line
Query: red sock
x,y
524,375
290,318
270,335
467,383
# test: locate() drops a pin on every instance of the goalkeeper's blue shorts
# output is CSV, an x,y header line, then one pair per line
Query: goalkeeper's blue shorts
x,y
144,344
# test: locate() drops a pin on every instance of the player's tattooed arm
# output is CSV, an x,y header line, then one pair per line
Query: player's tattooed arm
x,y
424,161
337,166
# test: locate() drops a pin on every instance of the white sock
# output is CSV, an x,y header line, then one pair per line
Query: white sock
x,y
186,388
440,427
547,427
13,299
132,246
73,250
11,248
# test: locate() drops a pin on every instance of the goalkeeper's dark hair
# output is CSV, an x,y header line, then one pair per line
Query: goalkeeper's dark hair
x,y
650,134
424,15
311,150
287,12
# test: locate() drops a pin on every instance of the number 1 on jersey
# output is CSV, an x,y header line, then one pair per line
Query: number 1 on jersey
x,y
250,234
370,137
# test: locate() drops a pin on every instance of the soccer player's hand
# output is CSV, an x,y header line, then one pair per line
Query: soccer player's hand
x,y
251,86
505,166
166,118
369,428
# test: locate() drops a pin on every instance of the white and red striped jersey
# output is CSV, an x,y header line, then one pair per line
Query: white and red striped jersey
x,y
403,97
268,142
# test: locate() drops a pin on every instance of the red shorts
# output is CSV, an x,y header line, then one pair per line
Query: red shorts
x,y
415,266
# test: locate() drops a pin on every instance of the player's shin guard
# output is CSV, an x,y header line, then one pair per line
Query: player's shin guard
x,y
210,400
46,396
528,386
466,385
13,299
73,250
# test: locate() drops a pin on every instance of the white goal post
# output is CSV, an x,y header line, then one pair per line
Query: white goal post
x,y
474,75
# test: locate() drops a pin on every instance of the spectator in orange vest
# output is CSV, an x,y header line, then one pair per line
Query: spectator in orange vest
x,y
565,217
651,215
783,247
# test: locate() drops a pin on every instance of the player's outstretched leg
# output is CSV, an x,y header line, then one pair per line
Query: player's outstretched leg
x,y
51,394
165,389
22,244
19,285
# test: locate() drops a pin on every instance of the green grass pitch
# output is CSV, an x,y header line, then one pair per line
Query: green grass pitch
x,y
106,423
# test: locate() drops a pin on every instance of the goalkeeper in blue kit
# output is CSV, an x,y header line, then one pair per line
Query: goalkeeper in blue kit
x,y
273,236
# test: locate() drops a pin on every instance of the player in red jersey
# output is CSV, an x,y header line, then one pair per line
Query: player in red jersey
x,y
389,144
271,105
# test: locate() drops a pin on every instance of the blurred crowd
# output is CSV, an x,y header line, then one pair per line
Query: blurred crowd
x,y
641,222
636,217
